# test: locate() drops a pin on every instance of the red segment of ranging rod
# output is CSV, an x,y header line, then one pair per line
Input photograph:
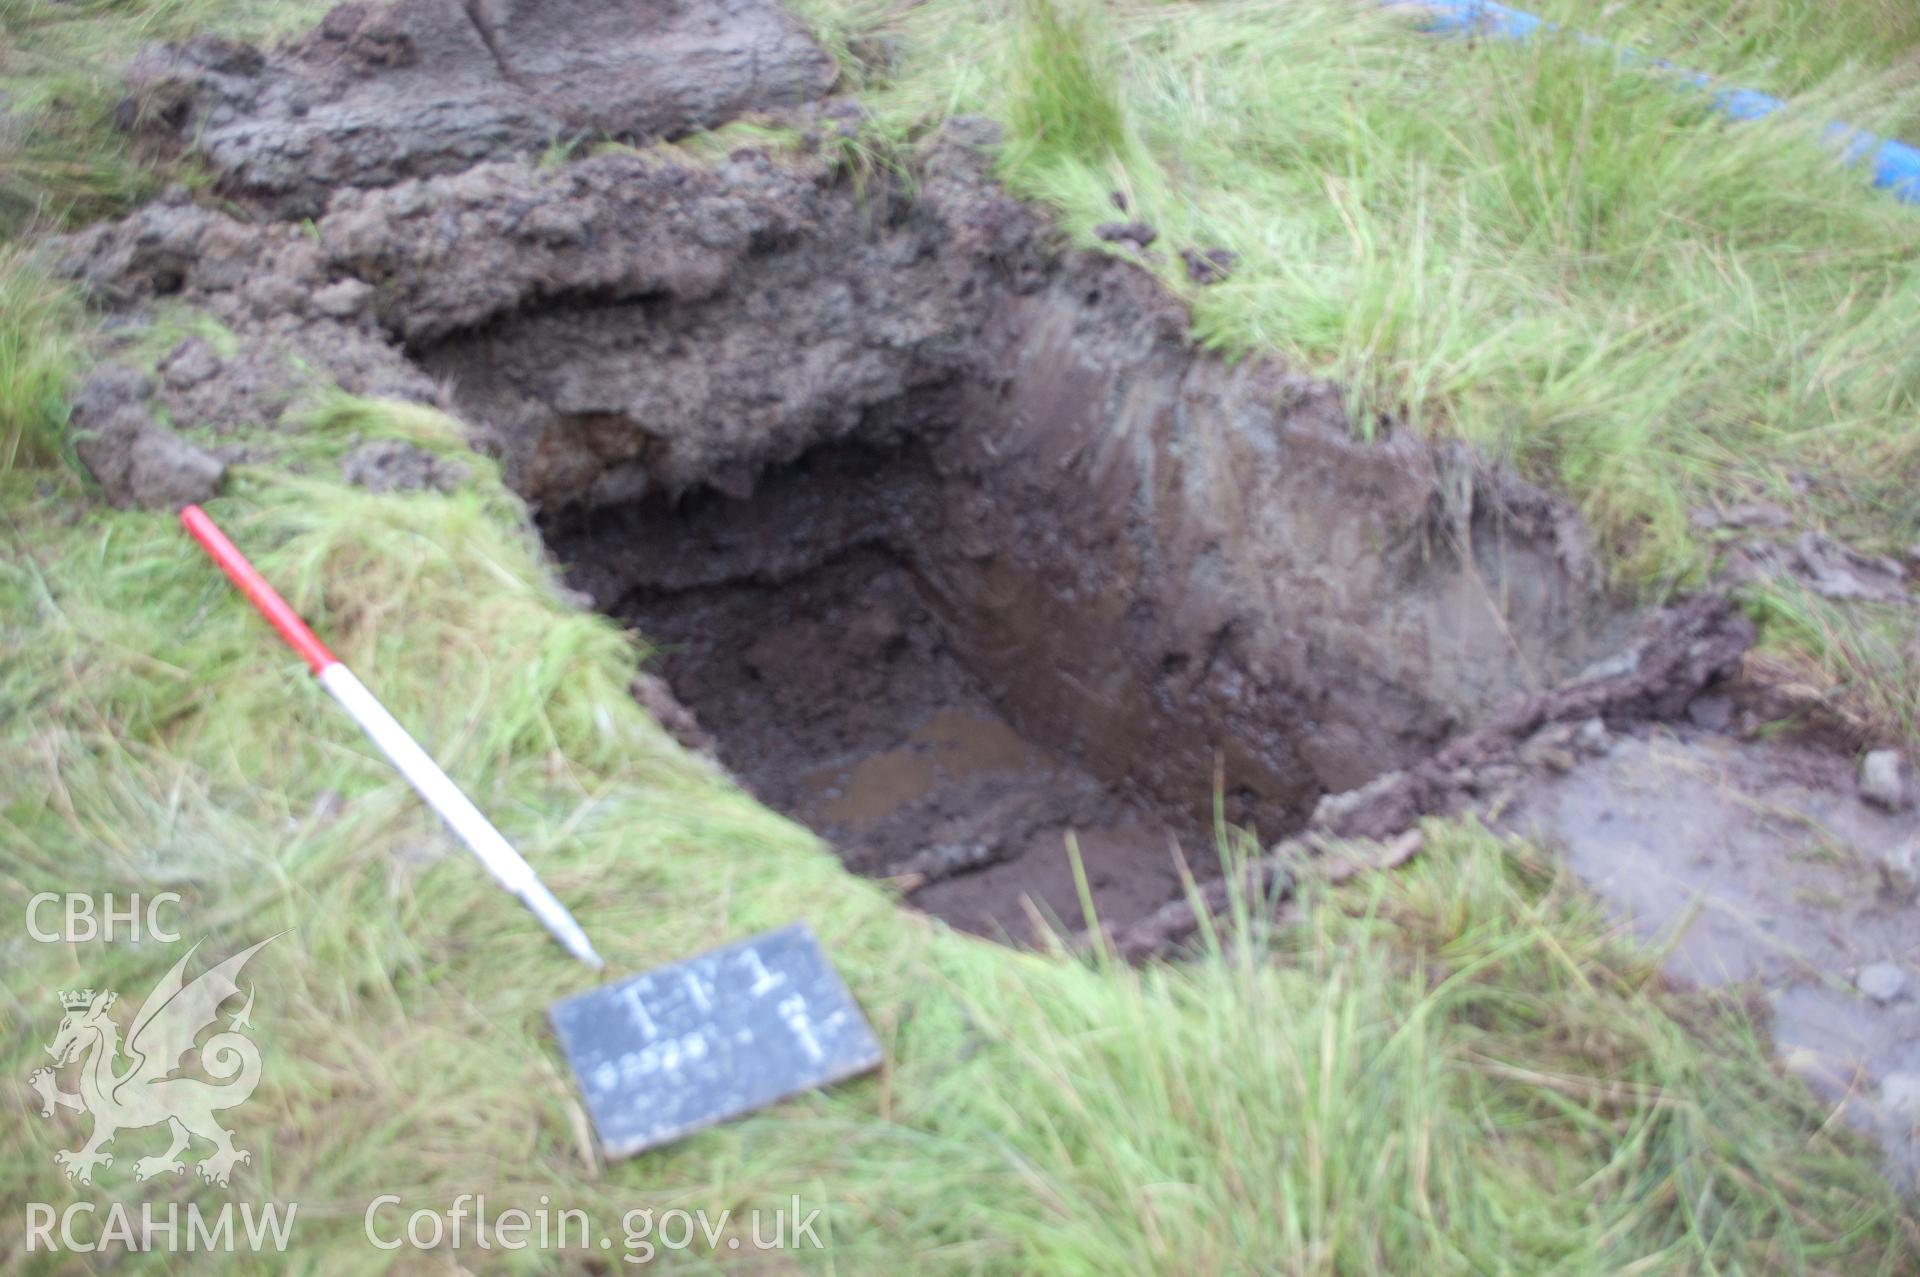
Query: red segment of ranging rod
x,y
278,611
507,866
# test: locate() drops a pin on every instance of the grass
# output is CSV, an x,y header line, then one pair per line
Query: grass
x,y
1581,269
62,159
1456,1068
1860,659
1064,107
36,359
1786,47
1565,261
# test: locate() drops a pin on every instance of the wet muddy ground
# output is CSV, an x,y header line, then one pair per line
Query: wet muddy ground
x,y
1761,865
809,629
836,697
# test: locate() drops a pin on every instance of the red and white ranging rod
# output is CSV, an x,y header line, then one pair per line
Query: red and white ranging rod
x,y
507,866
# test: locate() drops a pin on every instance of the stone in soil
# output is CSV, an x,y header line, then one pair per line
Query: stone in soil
x,y
1881,981
1900,1097
1900,871
1882,779
189,363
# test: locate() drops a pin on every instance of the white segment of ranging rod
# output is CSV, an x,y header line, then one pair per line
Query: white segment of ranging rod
x,y
507,866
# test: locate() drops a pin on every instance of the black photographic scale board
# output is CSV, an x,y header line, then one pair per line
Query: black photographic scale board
x,y
662,1054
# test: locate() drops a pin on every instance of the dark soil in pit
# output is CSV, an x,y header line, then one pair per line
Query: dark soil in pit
x,y
797,628
836,698
952,535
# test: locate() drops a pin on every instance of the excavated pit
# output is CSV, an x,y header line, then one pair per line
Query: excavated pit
x,y
950,534
1045,598
953,540
805,630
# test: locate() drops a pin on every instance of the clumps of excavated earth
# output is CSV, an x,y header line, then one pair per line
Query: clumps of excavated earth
x,y
954,541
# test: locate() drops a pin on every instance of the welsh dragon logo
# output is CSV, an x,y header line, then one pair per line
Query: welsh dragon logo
x,y
144,1091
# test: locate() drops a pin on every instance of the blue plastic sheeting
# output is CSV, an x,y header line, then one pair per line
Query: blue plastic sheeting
x,y
1482,17
1895,166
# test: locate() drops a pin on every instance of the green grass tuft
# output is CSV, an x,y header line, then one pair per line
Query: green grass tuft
x,y
40,324
1063,96
1862,660
64,160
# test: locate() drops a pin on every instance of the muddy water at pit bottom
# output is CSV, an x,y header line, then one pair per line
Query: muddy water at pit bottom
x,y
837,695
941,770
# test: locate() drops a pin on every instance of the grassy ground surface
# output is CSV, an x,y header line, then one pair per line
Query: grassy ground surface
x,y
1454,1069
1566,261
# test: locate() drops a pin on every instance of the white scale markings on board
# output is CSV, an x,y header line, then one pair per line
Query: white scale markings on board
x,y
668,1056
641,1019
698,989
764,981
794,1011
657,1057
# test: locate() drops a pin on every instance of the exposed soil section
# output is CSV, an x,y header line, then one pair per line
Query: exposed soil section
x,y
835,696
380,93
800,628
947,665
1163,572
949,536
